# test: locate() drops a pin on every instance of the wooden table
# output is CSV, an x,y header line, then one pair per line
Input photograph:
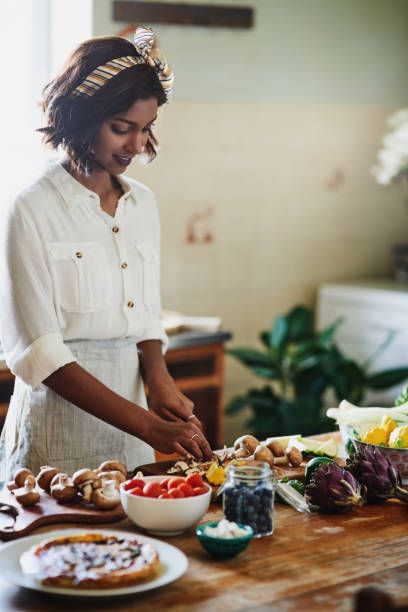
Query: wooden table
x,y
312,562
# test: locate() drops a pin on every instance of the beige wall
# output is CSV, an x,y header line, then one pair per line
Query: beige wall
x,y
285,169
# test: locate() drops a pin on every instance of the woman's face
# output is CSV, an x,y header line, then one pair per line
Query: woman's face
x,y
123,136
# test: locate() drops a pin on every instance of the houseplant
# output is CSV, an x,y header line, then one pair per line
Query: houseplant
x,y
300,365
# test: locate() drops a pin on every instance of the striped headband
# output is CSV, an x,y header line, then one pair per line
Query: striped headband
x,y
143,40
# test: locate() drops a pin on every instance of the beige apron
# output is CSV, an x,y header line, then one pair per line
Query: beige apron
x,y
42,428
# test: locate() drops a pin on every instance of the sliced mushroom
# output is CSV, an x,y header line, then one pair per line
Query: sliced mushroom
x,y
85,481
107,496
295,456
263,453
45,476
178,468
223,456
112,466
62,488
21,475
26,495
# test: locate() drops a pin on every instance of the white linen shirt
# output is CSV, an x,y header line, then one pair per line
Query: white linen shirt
x,y
71,271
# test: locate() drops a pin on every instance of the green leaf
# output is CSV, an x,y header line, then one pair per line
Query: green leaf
x,y
310,383
387,378
327,334
269,373
403,396
300,322
264,338
250,357
278,333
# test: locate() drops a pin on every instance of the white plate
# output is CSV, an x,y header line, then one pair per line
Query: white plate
x,y
173,564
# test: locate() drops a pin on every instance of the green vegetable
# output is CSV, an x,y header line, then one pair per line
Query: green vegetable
x,y
349,446
313,464
403,396
334,489
295,484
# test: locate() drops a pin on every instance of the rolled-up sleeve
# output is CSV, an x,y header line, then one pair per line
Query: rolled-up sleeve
x,y
155,331
30,332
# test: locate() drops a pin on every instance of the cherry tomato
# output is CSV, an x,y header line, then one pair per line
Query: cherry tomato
x,y
132,484
165,483
164,495
199,490
175,482
136,491
176,493
194,480
186,489
152,489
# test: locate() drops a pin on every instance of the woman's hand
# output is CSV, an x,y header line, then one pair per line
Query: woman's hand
x,y
180,437
169,403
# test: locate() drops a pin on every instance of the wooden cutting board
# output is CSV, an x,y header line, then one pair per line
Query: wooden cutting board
x,y
160,468
48,511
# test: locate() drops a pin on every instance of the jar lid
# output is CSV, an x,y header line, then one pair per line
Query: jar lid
x,y
252,470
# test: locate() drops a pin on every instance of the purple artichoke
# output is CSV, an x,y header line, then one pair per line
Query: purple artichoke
x,y
378,474
335,489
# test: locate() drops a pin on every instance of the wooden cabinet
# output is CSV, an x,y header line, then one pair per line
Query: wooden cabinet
x,y
196,362
198,369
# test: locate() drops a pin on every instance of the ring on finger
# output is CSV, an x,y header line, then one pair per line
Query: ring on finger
x,y
194,436
192,416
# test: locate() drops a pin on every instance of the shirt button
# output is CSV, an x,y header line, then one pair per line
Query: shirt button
x,y
78,254
130,304
115,229
123,265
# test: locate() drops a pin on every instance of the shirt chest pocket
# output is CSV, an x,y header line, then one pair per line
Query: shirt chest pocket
x,y
81,275
150,270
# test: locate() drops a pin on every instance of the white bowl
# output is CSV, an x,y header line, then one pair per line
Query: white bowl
x,y
164,516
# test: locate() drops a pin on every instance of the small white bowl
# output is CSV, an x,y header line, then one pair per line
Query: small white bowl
x,y
165,517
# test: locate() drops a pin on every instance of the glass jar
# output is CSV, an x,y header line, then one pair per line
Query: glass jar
x,y
248,497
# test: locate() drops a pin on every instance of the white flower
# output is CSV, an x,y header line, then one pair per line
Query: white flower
x,y
392,158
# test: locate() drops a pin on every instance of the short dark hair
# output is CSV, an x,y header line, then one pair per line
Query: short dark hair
x,y
73,121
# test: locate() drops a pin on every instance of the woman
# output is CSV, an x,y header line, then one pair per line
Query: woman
x,y
80,296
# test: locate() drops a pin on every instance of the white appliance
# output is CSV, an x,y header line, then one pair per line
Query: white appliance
x,y
373,312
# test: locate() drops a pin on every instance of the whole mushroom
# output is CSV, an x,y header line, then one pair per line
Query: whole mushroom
x,y
84,482
117,476
295,456
112,466
276,448
62,488
45,476
263,453
107,496
26,495
21,475
245,446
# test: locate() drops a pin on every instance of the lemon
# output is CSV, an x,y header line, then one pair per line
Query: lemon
x,y
399,437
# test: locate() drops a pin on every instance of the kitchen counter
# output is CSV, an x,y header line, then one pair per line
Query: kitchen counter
x,y
311,562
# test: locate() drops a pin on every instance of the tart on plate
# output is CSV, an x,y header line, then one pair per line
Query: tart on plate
x,y
91,561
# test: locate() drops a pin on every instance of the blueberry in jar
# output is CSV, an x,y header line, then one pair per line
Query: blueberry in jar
x,y
248,497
